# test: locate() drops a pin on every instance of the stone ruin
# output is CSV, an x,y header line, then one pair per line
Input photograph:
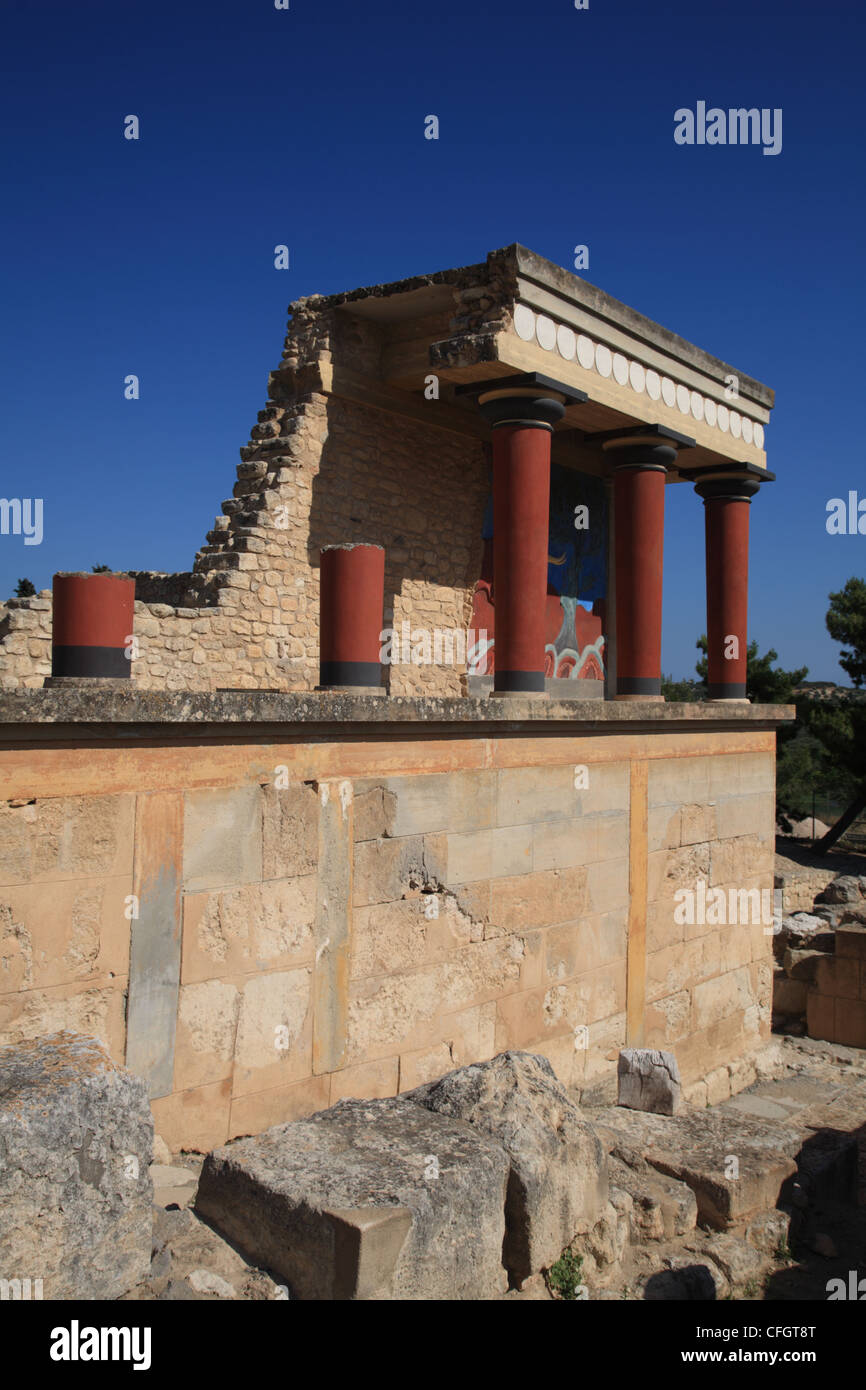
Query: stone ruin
x,y
487,1184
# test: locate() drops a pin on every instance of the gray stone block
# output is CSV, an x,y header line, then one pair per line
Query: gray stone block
x,y
367,1200
557,1185
222,837
648,1080
75,1192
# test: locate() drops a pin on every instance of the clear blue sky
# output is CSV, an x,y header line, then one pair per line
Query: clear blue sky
x,y
305,127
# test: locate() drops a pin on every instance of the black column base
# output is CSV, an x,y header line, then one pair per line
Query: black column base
x,y
91,661
638,685
350,673
518,682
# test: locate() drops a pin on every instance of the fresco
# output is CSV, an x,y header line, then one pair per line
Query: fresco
x,y
576,582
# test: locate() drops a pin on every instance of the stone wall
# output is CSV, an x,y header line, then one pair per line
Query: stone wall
x,y
836,1001
320,468
262,924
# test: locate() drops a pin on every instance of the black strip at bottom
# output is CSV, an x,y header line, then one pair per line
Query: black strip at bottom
x,y
530,682
638,685
727,691
350,673
91,661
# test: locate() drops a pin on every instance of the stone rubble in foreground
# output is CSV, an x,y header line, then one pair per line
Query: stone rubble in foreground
x,y
674,1225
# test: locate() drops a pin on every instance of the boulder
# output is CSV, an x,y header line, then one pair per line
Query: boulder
x,y
649,1080
845,889
373,1199
557,1185
76,1134
736,1165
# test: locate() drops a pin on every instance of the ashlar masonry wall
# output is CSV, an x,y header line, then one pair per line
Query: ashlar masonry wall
x,y
262,920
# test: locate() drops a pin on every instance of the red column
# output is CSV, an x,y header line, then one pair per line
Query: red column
x,y
726,508
522,421
521,529
351,599
639,522
92,620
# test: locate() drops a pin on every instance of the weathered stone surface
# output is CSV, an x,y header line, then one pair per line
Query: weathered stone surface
x,y
368,1200
648,1080
557,1185
75,1192
801,965
769,1231
662,1208
740,1262
845,889
735,1165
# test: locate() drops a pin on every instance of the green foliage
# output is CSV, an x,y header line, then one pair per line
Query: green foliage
x,y
764,686
840,727
685,690
564,1277
846,622
100,569
806,769
25,588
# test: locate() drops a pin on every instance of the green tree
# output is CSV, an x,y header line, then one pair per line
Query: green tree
x,y
840,725
764,686
25,588
846,622
685,690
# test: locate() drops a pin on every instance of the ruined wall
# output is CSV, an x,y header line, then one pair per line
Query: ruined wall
x,y
319,469
348,915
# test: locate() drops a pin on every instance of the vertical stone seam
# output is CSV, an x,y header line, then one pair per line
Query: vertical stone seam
x,y
636,962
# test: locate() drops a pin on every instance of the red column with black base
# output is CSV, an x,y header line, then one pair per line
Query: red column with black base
x,y
522,423
726,508
92,622
639,521
352,595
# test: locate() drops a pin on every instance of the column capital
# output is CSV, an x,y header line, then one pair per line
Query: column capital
x,y
728,482
641,446
529,399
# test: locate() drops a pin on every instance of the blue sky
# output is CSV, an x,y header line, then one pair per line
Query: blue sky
x,y
305,127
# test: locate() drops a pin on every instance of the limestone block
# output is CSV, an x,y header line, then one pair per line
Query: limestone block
x,y
529,794
564,844
557,1184
500,853
718,1085
75,1193
222,837
455,801
367,1200
648,1080
697,1148
289,830
722,996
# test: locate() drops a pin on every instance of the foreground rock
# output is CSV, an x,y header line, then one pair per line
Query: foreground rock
x,y
557,1185
75,1193
368,1200
648,1080
735,1165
